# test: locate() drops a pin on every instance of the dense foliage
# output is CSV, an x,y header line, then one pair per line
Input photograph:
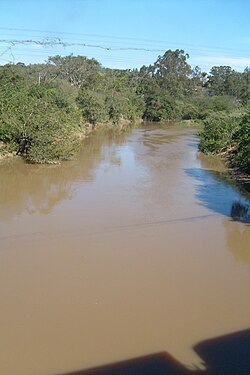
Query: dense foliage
x,y
220,132
35,120
44,107
241,156
228,134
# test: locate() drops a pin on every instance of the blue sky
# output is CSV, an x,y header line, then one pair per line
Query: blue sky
x,y
212,32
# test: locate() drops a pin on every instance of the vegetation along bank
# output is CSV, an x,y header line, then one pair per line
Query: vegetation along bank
x,y
45,109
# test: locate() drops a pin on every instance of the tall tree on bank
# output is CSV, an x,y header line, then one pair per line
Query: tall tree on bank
x,y
223,80
79,71
164,83
172,73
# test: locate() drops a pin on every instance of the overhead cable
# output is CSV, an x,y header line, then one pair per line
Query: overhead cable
x,y
59,42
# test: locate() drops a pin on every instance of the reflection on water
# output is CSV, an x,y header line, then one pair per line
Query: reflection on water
x,y
211,162
154,142
216,192
127,251
31,188
39,188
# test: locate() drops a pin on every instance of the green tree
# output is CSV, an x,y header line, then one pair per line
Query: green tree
x,y
241,155
198,77
79,71
246,80
223,80
164,84
92,105
172,73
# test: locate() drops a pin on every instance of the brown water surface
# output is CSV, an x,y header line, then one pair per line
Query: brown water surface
x,y
127,251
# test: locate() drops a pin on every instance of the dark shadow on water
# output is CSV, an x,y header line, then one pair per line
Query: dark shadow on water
x,y
217,193
225,355
154,364
240,212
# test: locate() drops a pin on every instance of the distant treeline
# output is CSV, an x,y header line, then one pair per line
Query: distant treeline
x,y
44,107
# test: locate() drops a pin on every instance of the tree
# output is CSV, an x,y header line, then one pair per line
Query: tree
x,y
246,80
223,80
172,72
163,84
92,105
78,70
242,138
198,77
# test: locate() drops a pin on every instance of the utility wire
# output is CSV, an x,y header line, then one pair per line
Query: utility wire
x,y
189,45
51,42
59,42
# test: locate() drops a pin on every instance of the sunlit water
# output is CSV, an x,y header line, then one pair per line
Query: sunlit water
x,y
127,251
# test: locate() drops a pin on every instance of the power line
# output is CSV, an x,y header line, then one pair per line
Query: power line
x,y
59,42
165,42
50,42
47,43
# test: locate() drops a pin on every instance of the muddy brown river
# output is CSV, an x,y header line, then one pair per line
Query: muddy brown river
x,y
127,251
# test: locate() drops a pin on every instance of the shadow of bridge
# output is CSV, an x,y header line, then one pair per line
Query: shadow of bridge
x,y
225,355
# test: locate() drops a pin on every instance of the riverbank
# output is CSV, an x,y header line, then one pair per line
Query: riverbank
x,y
243,179
4,151
82,133
238,176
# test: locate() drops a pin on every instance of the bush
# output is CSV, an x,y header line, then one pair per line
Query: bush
x,y
34,121
218,134
241,157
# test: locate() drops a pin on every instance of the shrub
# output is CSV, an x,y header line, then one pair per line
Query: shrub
x,y
218,134
241,157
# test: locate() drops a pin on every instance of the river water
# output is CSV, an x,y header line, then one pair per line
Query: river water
x,y
127,251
